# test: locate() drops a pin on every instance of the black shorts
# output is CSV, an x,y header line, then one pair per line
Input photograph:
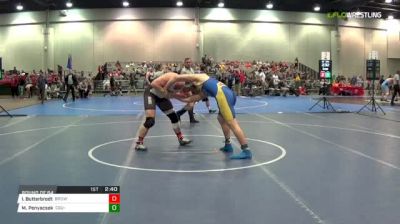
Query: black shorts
x,y
205,99
151,101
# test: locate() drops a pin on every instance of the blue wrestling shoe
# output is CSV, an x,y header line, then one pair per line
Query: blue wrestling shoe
x,y
227,148
244,154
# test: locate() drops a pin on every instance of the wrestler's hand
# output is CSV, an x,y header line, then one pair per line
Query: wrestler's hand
x,y
165,93
168,95
185,100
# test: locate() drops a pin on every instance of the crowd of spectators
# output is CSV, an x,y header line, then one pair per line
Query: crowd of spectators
x,y
247,78
45,84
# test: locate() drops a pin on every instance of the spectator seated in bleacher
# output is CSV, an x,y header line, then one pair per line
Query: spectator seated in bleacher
x,y
82,89
232,73
113,89
323,88
89,88
286,88
252,87
273,87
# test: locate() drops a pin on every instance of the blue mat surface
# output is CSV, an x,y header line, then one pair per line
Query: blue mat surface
x,y
133,105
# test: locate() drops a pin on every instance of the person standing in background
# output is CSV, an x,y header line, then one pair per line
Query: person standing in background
x,y
381,80
14,85
396,87
41,85
70,82
187,69
29,86
385,87
21,85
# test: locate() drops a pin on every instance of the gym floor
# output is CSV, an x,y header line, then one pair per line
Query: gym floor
x,y
308,166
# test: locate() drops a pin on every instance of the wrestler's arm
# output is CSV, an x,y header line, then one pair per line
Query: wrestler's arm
x,y
179,94
192,98
178,78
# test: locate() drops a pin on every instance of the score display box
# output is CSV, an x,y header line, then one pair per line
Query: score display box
x,y
114,199
114,208
69,199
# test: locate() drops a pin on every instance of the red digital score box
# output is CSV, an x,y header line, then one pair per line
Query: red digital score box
x,y
114,201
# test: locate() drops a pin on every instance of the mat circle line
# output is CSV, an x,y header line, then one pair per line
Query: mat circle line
x,y
91,156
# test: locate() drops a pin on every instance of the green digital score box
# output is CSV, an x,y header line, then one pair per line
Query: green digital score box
x,y
114,208
114,201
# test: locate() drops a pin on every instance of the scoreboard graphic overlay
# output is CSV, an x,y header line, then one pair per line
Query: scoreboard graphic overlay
x,y
68,199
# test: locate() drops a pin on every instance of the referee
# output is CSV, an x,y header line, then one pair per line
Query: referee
x,y
187,69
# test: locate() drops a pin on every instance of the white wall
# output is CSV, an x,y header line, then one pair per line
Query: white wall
x,y
99,35
22,46
127,41
355,45
93,43
95,36
308,41
393,31
75,39
223,14
246,41
393,66
351,51
144,41
267,41
376,40
114,14
22,18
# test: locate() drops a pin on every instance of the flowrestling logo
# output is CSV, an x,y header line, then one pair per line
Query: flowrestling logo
x,y
354,15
